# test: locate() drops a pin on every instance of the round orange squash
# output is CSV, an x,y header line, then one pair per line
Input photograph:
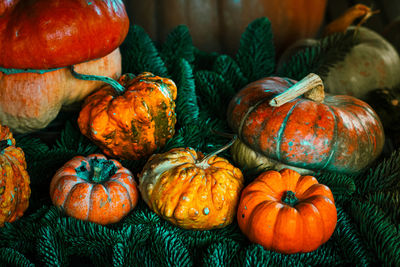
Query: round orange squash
x,y
218,25
94,189
133,123
314,132
190,190
14,179
286,212
40,39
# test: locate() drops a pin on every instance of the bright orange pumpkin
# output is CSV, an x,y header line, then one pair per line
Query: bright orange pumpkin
x,y
48,36
134,123
218,25
286,212
94,189
14,179
190,190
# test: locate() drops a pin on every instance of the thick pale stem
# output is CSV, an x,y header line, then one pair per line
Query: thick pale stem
x,y
204,161
311,86
97,175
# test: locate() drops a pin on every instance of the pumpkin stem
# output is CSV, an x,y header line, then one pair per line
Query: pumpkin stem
x,y
311,86
116,85
349,16
204,161
289,198
102,170
4,144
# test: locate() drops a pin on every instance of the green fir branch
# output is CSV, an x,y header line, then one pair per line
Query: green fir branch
x,y
203,60
256,54
319,57
177,46
388,201
187,109
50,248
341,185
221,253
139,54
118,254
381,235
11,257
229,69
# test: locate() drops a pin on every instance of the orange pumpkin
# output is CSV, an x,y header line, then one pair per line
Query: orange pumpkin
x,y
314,132
14,179
134,123
190,190
286,212
218,25
94,189
38,46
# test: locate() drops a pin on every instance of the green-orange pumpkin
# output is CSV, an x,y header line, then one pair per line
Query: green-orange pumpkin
x,y
286,212
14,179
94,189
341,134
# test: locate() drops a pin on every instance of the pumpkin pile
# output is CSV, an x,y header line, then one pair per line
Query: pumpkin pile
x,y
285,130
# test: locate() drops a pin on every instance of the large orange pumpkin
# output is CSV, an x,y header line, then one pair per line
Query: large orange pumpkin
x,y
14,179
46,37
218,25
133,123
314,132
94,189
286,212
190,190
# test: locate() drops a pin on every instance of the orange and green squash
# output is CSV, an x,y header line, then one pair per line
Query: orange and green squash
x,y
133,123
14,179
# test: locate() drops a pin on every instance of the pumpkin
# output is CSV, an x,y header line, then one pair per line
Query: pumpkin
x,y
286,212
94,189
133,121
372,63
39,46
14,179
190,190
315,132
218,25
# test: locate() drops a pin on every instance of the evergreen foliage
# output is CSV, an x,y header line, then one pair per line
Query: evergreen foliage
x,y
367,231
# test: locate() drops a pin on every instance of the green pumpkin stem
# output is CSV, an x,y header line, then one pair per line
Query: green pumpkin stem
x,y
289,198
311,86
4,144
204,161
116,85
102,170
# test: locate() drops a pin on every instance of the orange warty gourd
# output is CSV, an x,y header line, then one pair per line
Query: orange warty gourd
x,y
40,40
14,179
338,133
190,190
94,189
218,25
286,212
131,124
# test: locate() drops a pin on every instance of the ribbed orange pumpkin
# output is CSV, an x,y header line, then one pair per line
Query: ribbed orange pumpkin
x,y
286,212
94,189
14,179
39,40
134,123
216,25
336,132
190,190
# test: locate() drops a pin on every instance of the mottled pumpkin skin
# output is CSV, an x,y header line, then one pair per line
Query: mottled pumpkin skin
x,y
342,134
190,194
132,125
30,101
59,33
218,25
266,219
14,179
103,201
